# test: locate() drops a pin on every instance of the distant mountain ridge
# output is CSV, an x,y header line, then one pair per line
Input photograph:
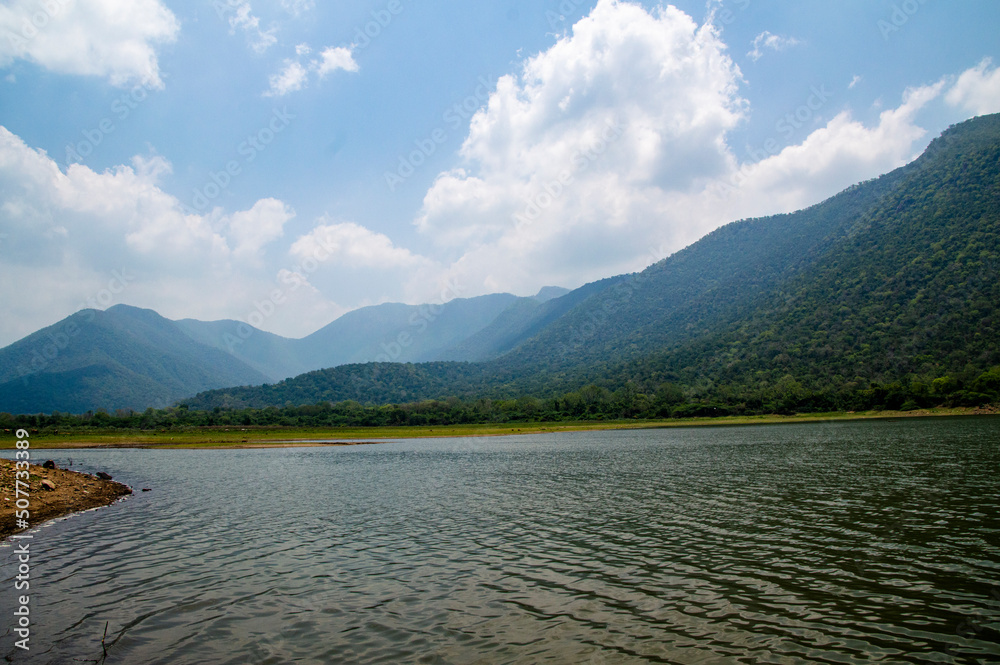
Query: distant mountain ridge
x,y
124,357
402,333
132,358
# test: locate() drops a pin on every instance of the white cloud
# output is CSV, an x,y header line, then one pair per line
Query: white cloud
x,y
349,263
854,81
295,75
244,18
263,223
353,246
334,58
766,40
977,90
112,38
68,232
629,110
831,158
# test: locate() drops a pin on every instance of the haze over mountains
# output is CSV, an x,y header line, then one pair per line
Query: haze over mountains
x,y
132,358
892,279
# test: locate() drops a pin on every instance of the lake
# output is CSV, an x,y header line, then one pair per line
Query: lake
x,y
844,542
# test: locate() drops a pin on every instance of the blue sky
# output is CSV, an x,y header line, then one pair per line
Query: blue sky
x,y
284,162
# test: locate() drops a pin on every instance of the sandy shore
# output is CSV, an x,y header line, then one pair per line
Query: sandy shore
x,y
73,492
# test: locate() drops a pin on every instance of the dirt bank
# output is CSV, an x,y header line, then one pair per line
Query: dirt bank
x,y
73,492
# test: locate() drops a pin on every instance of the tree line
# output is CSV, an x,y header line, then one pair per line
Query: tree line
x,y
593,402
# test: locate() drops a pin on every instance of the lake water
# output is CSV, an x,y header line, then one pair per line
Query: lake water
x,y
814,543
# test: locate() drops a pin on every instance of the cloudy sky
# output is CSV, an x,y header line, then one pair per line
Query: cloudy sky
x,y
299,159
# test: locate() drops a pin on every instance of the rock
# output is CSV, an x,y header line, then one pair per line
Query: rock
x,y
103,476
48,485
146,489
49,464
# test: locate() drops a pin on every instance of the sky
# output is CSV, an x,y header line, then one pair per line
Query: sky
x,y
285,162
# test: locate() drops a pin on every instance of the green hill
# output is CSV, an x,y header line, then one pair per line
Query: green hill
x,y
132,358
891,282
909,293
122,358
522,320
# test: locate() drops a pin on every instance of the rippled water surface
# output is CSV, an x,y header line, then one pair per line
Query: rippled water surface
x,y
828,543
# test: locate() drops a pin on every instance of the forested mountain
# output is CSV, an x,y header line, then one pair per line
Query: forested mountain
x,y
127,357
724,277
893,281
521,321
122,358
391,332
912,289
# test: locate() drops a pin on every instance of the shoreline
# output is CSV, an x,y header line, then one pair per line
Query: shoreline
x,y
225,438
77,492
73,492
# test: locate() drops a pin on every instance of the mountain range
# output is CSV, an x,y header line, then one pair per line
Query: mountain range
x,y
131,358
892,280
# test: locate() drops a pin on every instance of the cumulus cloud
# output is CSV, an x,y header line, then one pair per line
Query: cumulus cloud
x,y
831,158
68,232
351,263
252,229
572,161
977,90
295,75
334,58
112,38
766,40
119,209
354,246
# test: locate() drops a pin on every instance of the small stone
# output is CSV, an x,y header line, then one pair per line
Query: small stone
x,y
48,485
49,464
103,476
146,489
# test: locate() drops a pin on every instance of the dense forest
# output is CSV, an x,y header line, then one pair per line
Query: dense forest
x,y
590,403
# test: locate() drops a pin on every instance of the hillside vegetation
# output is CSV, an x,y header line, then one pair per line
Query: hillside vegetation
x,y
885,295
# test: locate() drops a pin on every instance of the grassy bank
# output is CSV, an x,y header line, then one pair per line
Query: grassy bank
x,y
235,437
